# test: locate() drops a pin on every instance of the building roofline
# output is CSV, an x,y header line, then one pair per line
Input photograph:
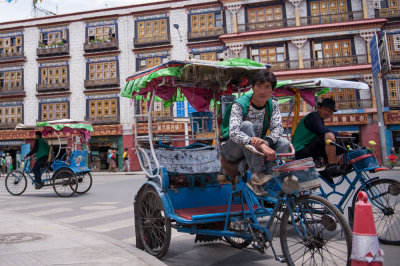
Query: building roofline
x,y
302,28
97,11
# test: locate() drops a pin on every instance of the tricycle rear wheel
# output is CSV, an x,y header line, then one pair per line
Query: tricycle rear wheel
x,y
85,182
153,225
64,183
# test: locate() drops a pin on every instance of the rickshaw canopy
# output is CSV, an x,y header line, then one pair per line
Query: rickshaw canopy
x,y
66,126
199,82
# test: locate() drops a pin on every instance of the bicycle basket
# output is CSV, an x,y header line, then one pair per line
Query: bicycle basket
x,y
363,160
304,170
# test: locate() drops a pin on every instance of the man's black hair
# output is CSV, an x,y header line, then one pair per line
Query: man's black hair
x,y
263,76
38,133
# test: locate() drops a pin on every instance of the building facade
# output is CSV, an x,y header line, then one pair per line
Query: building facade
x,y
74,65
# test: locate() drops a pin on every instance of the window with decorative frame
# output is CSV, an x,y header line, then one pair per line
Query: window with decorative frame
x,y
11,113
152,30
103,109
149,62
103,70
345,98
11,44
55,37
101,32
333,52
11,79
324,11
393,42
265,16
207,23
274,55
53,110
389,8
54,75
393,92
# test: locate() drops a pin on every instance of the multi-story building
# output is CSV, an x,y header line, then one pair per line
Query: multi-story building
x,y
74,65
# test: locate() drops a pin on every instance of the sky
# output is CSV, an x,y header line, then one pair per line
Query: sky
x,y
22,9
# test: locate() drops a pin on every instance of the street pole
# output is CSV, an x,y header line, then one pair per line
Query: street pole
x,y
381,124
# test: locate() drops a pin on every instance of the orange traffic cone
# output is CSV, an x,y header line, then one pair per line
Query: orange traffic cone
x,y
366,249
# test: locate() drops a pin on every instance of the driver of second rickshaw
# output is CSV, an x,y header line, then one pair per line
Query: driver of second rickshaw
x,y
247,121
41,148
309,139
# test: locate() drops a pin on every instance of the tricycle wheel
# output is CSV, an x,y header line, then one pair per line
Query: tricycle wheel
x,y
64,183
16,183
385,201
153,224
314,232
84,183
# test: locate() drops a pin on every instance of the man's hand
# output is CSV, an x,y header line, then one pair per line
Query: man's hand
x,y
256,142
269,153
25,157
345,134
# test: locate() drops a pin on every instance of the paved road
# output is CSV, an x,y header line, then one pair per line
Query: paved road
x,y
107,209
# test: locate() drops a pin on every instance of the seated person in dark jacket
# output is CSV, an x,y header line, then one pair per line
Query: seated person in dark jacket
x,y
311,134
41,148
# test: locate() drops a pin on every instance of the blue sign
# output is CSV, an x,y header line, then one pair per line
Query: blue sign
x,y
375,61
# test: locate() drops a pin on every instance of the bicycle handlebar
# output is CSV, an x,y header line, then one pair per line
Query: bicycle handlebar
x,y
256,152
330,142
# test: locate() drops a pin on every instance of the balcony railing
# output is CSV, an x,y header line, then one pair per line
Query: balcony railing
x,y
386,13
90,46
340,105
212,33
52,87
392,104
9,125
52,50
336,61
152,41
102,83
304,21
11,55
101,120
356,104
11,90
265,25
331,18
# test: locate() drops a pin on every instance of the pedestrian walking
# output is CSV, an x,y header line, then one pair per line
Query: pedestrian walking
x,y
113,161
127,161
8,162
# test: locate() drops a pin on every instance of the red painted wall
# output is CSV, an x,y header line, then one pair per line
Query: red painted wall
x,y
371,132
129,142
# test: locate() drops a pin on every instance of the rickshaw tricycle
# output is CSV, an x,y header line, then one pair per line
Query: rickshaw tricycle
x,y
186,189
71,174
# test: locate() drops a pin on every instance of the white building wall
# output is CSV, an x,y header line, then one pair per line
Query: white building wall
x,y
31,105
179,49
77,70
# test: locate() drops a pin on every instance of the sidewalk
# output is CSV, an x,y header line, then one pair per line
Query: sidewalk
x,y
117,173
27,240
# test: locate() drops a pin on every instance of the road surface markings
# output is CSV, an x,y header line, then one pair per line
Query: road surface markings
x,y
94,215
126,223
51,211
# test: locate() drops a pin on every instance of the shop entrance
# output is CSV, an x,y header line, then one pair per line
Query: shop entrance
x,y
396,141
100,148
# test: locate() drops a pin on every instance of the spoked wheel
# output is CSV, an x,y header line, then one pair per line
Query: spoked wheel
x,y
84,183
237,242
384,194
315,233
154,227
65,183
16,183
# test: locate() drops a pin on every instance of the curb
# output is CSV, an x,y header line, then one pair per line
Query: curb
x,y
142,255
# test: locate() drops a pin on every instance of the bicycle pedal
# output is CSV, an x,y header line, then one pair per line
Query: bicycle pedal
x,y
281,259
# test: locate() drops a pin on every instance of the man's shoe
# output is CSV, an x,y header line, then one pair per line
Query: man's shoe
x,y
333,170
260,179
39,186
258,190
